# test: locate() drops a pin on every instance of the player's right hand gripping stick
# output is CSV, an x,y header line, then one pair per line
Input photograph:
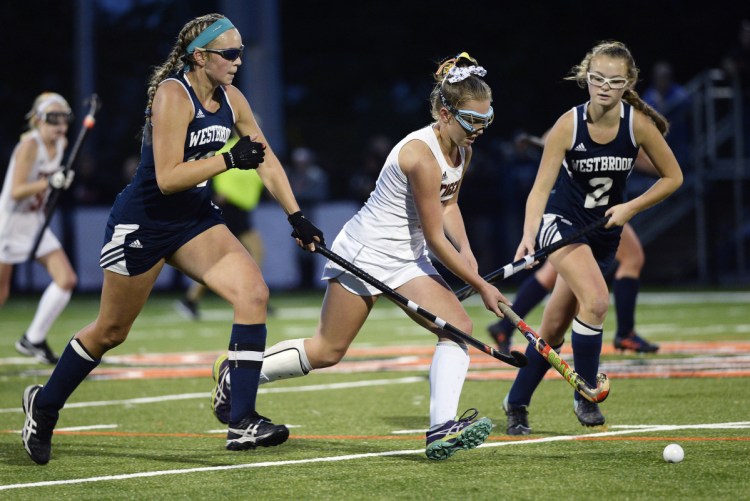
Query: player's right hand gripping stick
x,y
246,154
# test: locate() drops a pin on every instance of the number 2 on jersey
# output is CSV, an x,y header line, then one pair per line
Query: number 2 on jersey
x,y
599,196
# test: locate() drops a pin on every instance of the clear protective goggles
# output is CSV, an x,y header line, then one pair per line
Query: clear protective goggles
x,y
470,120
616,83
473,121
57,117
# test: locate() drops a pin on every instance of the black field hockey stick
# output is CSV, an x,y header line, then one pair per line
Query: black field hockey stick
x,y
538,256
54,196
590,393
516,359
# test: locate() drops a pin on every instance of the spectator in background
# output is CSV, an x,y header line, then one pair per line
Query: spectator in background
x,y
362,182
307,178
737,64
310,185
671,100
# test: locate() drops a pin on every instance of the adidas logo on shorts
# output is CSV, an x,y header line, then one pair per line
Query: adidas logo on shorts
x,y
580,147
136,244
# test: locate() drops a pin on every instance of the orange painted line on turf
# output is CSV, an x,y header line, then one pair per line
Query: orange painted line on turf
x,y
636,374
414,358
670,439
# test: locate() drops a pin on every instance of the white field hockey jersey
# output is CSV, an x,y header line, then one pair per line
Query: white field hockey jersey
x,y
42,168
388,222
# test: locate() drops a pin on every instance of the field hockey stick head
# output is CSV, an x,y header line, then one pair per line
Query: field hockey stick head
x,y
598,394
94,105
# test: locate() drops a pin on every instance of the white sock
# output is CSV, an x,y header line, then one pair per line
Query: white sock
x,y
447,373
285,360
53,302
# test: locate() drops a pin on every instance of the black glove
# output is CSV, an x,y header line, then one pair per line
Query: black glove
x,y
246,154
304,229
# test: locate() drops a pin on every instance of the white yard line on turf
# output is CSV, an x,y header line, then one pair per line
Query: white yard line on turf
x,y
349,457
289,389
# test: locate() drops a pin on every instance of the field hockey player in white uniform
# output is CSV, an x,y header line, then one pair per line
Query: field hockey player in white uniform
x,y
413,208
33,171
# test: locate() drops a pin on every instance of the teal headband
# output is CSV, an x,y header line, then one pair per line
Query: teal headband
x,y
209,34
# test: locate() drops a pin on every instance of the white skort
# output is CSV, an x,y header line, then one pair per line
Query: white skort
x,y
392,271
17,236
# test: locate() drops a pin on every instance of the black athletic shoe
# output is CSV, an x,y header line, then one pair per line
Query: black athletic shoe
x,y
188,309
501,338
40,351
518,418
636,343
254,431
38,427
588,413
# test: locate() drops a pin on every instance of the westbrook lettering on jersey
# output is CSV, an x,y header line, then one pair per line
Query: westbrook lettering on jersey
x,y
209,135
602,164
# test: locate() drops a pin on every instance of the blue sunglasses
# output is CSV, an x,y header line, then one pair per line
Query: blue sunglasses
x,y
228,54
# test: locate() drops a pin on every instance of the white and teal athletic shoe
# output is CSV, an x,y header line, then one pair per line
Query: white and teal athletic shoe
x,y
465,433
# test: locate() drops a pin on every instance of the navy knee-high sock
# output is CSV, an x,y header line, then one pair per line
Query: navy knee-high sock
x,y
530,293
246,346
529,377
74,365
587,346
626,293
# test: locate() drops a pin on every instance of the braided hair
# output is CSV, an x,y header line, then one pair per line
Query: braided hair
x,y
618,50
176,61
473,87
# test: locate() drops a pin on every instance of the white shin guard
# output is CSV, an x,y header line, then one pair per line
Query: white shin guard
x,y
285,360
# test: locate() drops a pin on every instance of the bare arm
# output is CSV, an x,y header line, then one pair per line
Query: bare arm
x,y
423,173
270,171
453,222
171,114
665,164
22,187
556,144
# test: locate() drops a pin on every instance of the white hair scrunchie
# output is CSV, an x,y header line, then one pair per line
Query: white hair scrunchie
x,y
460,73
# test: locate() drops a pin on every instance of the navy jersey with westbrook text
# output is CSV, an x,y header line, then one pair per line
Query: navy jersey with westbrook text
x,y
142,203
594,175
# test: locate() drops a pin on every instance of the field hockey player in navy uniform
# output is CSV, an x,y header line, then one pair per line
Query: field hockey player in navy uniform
x,y
587,158
165,216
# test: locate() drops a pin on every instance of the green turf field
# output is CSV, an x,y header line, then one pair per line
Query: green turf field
x,y
142,429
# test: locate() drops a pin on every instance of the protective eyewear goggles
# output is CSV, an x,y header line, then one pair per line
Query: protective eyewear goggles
x,y
473,121
228,54
57,117
616,83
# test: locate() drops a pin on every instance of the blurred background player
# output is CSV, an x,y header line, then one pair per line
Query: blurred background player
x,y
597,143
236,192
34,170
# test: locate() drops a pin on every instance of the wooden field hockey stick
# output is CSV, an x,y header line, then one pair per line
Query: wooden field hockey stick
x,y
516,359
516,266
590,393
54,196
